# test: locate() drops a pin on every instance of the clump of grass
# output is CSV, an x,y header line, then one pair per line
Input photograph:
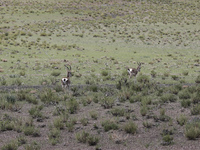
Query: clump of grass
x,y
34,145
174,77
12,145
147,124
162,116
130,127
182,120
167,139
168,98
109,125
143,110
143,79
185,73
84,121
58,123
107,102
55,73
196,98
197,80
192,130
3,81
48,96
92,140
17,82
184,94
104,73
54,136
117,112
195,110
85,137
153,73
186,103
31,131
70,124
72,106
35,112
94,115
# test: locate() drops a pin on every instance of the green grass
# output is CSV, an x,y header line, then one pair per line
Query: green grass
x,y
50,35
99,39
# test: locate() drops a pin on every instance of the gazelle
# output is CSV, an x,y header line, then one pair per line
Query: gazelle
x,y
65,82
134,71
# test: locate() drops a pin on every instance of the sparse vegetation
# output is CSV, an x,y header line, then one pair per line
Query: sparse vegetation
x,y
103,107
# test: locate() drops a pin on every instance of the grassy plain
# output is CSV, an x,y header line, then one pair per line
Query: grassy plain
x,y
37,38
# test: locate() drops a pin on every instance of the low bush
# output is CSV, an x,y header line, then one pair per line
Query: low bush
x,y
184,94
130,127
195,110
168,98
192,130
54,136
109,125
117,112
186,103
197,80
182,120
72,106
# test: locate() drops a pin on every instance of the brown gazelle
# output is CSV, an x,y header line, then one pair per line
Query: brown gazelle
x,y
134,71
65,82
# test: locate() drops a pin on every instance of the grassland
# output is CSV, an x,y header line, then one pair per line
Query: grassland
x,y
104,109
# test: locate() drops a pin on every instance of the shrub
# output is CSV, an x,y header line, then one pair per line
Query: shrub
x,y
32,146
186,103
94,115
93,88
130,127
3,81
17,82
84,121
35,112
11,99
104,73
58,123
48,96
167,140
54,136
58,88
117,112
92,140
85,137
70,124
147,124
195,110
72,106
143,110
31,130
55,73
10,146
192,130
109,125
185,73
197,80
143,79
107,102
196,98
174,77
168,97
184,94
153,73
82,136
182,120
